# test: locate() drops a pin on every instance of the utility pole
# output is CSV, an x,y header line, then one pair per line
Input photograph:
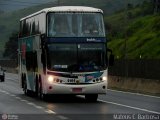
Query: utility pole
x,y
156,6
58,2
125,44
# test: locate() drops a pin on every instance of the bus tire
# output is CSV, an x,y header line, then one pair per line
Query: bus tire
x,y
91,97
2,79
22,80
26,92
36,86
25,88
44,97
40,93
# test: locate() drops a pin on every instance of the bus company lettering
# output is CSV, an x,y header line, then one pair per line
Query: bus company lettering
x,y
90,77
92,40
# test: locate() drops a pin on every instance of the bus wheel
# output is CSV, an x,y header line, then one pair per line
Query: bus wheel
x,y
2,79
22,81
91,97
37,87
44,97
40,94
26,92
25,88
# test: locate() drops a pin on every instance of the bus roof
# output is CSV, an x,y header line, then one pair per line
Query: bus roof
x,y
66,9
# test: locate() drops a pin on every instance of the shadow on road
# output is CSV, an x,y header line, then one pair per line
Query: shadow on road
x,y
59,98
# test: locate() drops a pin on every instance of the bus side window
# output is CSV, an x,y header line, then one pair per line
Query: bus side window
x,y
31,61
35,65
28,61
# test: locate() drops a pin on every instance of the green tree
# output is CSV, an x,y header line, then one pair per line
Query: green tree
x,y
11,46
1,12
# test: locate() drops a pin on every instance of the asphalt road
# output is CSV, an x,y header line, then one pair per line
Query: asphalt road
x,y
114,105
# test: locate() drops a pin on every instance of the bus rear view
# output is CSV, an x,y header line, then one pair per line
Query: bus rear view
x,y
72,53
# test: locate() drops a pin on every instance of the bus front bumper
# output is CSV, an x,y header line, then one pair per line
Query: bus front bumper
x,y
97,88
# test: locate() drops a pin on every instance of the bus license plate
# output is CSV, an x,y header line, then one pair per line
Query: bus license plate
x,y
77,90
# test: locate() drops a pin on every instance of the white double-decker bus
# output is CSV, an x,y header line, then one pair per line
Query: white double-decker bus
x,y
63,50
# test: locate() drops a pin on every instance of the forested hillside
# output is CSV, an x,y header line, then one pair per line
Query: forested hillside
x,y
9,22
132,26
135,32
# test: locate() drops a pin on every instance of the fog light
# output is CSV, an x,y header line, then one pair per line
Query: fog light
x,y
97,79
57,80
50,87
50,79
104,78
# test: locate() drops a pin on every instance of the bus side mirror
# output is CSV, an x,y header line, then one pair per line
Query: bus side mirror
x,y
111,57
111,60
42,36
43,60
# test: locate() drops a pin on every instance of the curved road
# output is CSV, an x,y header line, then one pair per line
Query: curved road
x,y
114,105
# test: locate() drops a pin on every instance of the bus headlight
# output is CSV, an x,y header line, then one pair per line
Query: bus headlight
x,y
104,78
50,79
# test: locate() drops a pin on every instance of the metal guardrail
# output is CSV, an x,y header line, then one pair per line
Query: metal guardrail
x,y
8,63
141,68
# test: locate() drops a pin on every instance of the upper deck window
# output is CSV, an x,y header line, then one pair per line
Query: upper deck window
x,y
75,25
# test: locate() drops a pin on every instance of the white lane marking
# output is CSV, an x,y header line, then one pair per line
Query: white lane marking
x,y
24,100
17,97
134,93
12,95
2,91
50,112
39,107
30,103
62,117
6,92
136,108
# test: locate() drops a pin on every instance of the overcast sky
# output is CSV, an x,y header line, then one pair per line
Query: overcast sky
x,y
10,5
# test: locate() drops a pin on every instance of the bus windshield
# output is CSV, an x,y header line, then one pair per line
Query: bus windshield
x,y
75,25
76,57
